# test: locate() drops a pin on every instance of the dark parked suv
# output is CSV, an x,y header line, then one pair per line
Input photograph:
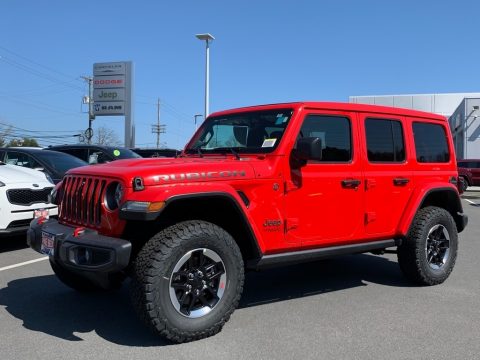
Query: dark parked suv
x,y
469,172
96,154
52,163
147,153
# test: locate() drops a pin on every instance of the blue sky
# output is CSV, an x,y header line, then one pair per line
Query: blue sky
x,y
265,52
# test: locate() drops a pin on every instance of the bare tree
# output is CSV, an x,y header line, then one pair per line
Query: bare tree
x,y
105,136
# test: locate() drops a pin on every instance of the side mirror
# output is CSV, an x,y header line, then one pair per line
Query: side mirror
x,y
93,159
309,148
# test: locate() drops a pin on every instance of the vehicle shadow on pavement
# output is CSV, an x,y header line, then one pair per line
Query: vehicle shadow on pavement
x,y
320,277
46,305
10,243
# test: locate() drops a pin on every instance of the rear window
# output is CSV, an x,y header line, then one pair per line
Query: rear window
x,y
430,143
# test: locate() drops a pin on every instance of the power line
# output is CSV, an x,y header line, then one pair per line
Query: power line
x,y
36,63
16,128
40,106
37,73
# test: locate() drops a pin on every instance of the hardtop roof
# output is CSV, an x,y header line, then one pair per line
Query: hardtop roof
x,y
314,105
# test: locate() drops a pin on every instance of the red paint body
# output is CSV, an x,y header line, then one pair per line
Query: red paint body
x,y
310,202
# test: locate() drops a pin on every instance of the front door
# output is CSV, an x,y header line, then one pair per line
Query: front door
x,y
324,199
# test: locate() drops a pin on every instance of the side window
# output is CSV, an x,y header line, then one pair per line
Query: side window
x,y
384,140
79,153
98,157
430,143
19,159
335,133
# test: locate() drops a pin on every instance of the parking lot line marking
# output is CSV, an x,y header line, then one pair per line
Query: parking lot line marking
x,y
471,202
23,263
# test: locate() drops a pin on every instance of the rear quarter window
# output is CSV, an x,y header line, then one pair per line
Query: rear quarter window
x,y
431,144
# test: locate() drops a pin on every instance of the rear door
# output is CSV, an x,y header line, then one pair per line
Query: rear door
x,y
388,172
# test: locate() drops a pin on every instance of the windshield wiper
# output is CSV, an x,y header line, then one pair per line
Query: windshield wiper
x,y
231,149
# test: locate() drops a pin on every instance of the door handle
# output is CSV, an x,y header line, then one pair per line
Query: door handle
x,y
400,181
350,183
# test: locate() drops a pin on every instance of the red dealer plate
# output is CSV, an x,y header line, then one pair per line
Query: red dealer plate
x,y
48,243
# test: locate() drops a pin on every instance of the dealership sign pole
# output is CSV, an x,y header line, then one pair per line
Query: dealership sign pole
x,y
112,94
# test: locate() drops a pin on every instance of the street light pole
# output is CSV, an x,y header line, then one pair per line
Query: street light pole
x,y
207,38
196,116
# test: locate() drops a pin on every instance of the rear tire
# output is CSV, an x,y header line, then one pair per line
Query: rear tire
x,y
464,183
187,281
428,254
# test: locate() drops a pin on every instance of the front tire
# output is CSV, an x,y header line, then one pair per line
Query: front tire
x,y
187,280
428,254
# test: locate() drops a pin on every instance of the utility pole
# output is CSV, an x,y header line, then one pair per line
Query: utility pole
x,y
157,128
89,101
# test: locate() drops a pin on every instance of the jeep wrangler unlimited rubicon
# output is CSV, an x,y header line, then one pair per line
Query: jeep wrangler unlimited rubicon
x,y
257,187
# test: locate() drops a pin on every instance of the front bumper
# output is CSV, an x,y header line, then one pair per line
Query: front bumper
x,y
85,251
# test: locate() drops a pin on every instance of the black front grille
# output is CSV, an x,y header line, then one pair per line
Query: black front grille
x,y
82,200
28,197
19,223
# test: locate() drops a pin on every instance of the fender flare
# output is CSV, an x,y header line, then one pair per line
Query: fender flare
x,y
457,208
245,219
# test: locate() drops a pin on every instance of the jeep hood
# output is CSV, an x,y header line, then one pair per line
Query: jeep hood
x,y
163,171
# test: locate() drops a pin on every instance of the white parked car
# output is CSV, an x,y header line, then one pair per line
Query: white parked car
x,y
23,196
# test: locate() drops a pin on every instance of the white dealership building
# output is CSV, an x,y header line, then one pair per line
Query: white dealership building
x,y
461,109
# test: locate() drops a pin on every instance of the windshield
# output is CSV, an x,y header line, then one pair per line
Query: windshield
x,y
122,153
248,132
59,162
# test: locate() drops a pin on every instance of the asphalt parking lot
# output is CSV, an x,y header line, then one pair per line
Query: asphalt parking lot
x,y
351,307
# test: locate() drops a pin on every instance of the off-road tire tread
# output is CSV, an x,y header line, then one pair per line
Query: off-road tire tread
x,y
410,253
149,264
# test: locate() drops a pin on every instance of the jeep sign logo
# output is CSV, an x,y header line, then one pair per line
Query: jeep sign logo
x,y
100,95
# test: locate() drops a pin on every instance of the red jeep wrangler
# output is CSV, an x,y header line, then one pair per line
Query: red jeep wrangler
x,y
257,187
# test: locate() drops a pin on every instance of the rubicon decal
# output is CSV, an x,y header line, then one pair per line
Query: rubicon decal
x,y
199,175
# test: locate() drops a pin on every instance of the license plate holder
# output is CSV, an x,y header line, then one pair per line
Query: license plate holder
x,y
48,244
41,213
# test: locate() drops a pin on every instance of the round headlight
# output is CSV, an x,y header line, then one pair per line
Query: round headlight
x,y
114,195
119,192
